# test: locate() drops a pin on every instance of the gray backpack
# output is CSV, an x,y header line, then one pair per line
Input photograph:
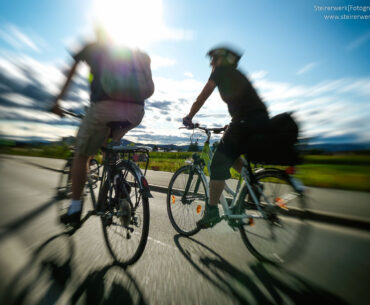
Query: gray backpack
x,y
126,75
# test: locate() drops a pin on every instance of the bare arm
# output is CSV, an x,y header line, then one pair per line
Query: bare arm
x,y
71,72
201,99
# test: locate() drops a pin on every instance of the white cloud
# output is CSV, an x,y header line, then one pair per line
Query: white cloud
x,y
18,99
329,108
26,130
26,114
13,72
17,39
189,74
308,67
169,89
159,61
258,74
271,90
358,42
324,109
166,33
23,38
360,87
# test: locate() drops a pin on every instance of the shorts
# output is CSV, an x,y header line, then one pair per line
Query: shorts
x,y
234,143
94,131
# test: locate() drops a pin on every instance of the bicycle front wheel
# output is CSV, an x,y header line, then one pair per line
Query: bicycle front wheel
x,y
126,219
280,233
186,199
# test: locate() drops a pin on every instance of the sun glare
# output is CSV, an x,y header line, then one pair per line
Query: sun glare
x,y
132,22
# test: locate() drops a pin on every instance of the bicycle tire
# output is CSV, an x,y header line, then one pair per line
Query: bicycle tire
x,y
193,206
94,171
281,237
65,183
125,253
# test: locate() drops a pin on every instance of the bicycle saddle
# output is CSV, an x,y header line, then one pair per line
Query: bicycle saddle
x,y
118,124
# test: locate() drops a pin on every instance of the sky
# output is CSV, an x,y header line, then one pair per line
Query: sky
x,y
309,57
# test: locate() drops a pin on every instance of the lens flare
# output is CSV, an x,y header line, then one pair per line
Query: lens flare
x,y
134,23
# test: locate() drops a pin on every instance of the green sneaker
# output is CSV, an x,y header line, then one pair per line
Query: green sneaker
x,y
211,217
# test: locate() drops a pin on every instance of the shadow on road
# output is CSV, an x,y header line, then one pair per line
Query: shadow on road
x,y
109,285
265,284
23,220
32,163
45,276
49,277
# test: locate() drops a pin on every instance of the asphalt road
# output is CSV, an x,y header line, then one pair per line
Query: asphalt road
x,y
41,265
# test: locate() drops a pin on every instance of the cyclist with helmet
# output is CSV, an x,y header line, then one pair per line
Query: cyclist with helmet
x,y
248,115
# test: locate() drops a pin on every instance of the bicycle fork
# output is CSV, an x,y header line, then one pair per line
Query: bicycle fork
x,y
188,185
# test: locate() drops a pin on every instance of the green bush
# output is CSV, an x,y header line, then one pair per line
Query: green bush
x,y
351,171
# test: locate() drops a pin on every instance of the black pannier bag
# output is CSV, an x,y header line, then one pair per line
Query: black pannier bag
x,y
277,146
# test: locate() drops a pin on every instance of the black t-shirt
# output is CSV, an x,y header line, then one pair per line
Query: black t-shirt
x,y
96,56
93,54
237,92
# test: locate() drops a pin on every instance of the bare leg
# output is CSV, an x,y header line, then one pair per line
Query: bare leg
x,y
216,186
79,175
215,190
238,164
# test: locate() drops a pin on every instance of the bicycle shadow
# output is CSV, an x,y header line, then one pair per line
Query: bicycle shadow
x,y
112,284
28,162
61,206
48,278
294,236
25,219
265,284
45,276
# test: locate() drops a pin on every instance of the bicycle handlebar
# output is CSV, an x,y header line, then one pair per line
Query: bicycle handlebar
x,y
70,113
205,129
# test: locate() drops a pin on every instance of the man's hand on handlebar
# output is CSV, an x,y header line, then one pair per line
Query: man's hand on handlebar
x,y
57,110
188,123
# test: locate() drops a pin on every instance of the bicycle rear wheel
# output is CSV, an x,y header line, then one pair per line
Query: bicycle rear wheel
x,y
186,199
281,235
126,218
65,183
94,171
64,189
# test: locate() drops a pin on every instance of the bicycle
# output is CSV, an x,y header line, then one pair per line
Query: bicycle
x,y
65,183
123,199
266,201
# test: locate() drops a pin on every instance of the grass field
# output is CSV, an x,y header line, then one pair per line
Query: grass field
x,y
350,171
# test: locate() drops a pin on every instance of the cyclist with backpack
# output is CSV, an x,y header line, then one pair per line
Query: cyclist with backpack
x,y
249,116
121,81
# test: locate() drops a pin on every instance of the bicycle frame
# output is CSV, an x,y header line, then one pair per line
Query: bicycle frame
x,y
245,179
109,165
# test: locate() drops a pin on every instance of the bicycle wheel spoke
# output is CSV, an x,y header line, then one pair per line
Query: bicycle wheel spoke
x,y
126,236
186,200
278,237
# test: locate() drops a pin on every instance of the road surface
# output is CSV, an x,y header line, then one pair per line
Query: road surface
x,y
41,265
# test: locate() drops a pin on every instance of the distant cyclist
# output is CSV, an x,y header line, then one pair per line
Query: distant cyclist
x,y
248,113
121,80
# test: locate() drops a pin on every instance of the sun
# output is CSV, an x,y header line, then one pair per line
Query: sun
x,y
131,22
